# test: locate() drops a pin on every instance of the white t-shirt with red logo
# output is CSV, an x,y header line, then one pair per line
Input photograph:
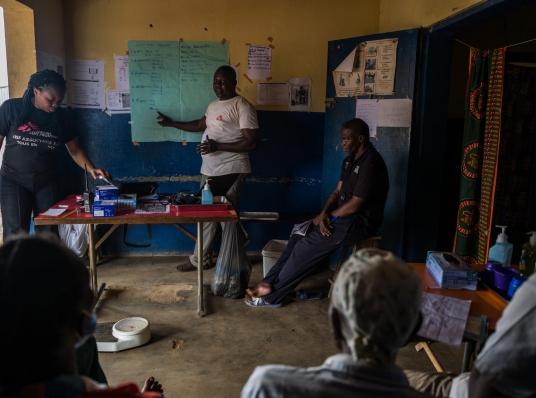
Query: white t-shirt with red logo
x,y
225,119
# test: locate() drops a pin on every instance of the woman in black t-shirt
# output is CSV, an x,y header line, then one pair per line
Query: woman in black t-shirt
x,y
34,127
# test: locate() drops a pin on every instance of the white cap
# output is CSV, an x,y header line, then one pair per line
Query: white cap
x,y
502,237
378,299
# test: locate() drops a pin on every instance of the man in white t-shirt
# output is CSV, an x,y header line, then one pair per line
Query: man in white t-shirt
x,y
230,131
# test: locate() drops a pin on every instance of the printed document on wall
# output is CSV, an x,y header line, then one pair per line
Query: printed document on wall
x,y
121,72
367,110
259,62
50,61
395,113
348,76
86,84
272,93
118,101
379,59
299,94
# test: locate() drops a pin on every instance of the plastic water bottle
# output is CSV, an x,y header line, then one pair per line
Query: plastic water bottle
x,y
206,195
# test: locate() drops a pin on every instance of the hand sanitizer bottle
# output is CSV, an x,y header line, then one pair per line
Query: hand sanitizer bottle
x,y
501,251
206,195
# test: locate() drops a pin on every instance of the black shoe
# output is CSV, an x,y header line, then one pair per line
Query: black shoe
x,y
186,267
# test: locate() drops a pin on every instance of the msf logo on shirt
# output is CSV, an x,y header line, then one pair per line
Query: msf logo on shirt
x,y
27,127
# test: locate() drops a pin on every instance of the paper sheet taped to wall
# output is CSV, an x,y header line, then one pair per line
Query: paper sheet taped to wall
x,y
174,78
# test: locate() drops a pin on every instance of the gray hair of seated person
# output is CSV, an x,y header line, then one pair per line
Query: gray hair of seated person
x,y
377,299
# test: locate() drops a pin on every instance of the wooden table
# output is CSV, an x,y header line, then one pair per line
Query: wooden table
x,y
178,215
484,302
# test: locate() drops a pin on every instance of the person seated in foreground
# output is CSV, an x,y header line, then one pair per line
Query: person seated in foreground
x,y
353,212
47,304
504,367
374,310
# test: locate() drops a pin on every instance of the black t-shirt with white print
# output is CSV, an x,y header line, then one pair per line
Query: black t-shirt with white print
x,y
29,156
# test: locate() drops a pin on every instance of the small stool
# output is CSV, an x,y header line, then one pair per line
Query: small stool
x,y
368,243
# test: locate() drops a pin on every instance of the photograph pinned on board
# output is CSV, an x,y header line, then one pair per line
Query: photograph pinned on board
x,y
369,89
370,77
372,51
370,63
300,94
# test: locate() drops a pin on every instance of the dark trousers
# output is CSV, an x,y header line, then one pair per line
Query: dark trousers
x,y
304,255
17,204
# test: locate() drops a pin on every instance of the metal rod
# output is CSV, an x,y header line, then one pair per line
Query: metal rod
x,y
200,295
187,233
92,258
106,235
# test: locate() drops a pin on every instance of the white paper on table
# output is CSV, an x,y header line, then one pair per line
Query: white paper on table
x,y
299,94
86,84
395,113
444,318
272,93
121,73
259,62
367,110
55,212
118,100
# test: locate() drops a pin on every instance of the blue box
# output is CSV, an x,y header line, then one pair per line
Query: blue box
x,y
450,271
104,208
106,192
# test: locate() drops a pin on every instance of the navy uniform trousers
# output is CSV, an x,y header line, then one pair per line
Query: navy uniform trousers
x,y
305,254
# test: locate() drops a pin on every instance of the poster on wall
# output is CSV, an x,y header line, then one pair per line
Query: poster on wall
x,y
380,66
259,62
369,69
348,76
299,94
272,93
86,84
118,101
121,72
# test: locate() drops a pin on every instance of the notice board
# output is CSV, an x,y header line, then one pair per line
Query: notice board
x,y
172,77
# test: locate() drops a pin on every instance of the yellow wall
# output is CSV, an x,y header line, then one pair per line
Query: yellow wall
x,y
20,45
406,14
98,29
49,32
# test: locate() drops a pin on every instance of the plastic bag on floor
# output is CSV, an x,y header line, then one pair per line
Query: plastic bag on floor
x,y
233,269
75,237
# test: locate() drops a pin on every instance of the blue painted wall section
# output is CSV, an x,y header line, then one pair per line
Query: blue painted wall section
x,y
287,172
392,143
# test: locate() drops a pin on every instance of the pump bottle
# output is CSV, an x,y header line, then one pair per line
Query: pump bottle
x,y
206,195
501,251
528,255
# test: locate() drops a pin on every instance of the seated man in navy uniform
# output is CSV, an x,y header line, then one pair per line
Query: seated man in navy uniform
x,y
353,212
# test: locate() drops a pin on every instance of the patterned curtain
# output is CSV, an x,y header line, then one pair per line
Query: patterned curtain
x,y
481,138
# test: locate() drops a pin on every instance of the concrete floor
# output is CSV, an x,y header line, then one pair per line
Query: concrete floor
x,y
213,356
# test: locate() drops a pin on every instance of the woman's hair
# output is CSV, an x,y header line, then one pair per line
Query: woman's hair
x,y
42,79
44,287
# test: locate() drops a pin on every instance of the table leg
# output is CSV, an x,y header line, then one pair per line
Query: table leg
x,y
92,258
200,293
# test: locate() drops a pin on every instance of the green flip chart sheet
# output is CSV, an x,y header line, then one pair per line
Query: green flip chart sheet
x,y
174,78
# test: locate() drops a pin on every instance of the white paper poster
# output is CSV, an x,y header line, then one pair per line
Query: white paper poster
x,y
86,84
348,76
121,72
300,94
367,110
272,93
379,58
395,113
118,101
259,62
